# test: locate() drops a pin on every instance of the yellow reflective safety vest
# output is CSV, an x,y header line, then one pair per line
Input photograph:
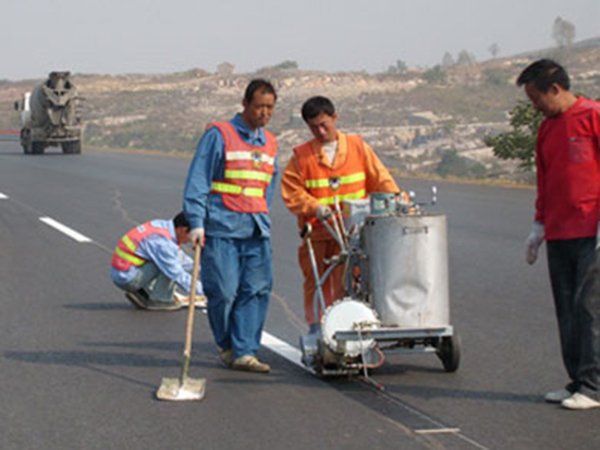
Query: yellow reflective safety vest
x,y
248,171
347,182
124,256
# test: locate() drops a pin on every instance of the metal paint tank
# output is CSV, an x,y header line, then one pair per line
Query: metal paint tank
x,y
408,268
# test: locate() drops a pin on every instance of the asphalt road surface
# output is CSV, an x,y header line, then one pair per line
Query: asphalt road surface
x,y
79,366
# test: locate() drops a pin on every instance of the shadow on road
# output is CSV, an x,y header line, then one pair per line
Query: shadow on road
x,y
99,306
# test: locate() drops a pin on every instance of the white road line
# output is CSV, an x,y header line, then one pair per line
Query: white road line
x,y
293,355
438,430
3,196
283,349
65,229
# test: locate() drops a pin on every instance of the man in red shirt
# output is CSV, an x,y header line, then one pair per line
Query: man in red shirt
x,y
566,216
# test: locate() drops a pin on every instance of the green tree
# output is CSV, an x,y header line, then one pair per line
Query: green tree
x,y
435,75
519,143
465,58
399,67
447,60
563,32
496,77
454,164
284,65
494,49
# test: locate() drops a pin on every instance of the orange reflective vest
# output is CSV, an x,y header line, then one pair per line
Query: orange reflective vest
x,y
124,256
248,171
346,182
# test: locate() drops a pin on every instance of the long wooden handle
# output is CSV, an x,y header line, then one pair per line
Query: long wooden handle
x,y
187,351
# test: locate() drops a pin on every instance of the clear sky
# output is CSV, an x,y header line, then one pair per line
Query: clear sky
x,y
150,36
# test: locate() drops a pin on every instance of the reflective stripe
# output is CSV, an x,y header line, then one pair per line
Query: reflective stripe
x,y
129,244
227,188
131,258
325,182
247,156
248,175
354,196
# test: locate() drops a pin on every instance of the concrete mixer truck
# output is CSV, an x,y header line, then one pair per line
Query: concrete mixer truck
x,y
49,116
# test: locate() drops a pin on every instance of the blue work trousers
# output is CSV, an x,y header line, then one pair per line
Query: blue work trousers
x,y
575,277
237,276
149,278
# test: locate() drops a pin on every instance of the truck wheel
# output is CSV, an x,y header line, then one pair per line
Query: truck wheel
x,y
449,352
71,148
25,141
37,148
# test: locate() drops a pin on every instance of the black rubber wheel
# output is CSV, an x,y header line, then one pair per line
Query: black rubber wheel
x,y
71,148
37,148
449,352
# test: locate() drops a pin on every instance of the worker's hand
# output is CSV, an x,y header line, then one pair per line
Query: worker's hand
x,y
598,237
197,236
534,240
403,198
324,212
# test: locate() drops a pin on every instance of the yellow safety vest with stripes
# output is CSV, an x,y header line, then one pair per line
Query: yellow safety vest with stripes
x,y
248,171
347,182
124,256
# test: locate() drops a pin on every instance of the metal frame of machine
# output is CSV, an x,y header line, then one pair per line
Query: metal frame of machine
x,y
352,337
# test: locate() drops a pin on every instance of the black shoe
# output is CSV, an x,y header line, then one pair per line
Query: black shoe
x,y
137,301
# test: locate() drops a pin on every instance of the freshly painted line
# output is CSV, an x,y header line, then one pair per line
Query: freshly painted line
x,y
439,430
65,229
293,355
283,349
3,196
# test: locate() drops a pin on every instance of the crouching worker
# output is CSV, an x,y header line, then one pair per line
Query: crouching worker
x,y
148,264
333,164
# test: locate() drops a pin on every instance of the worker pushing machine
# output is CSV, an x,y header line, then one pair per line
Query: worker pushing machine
x,y
227,197
333,164
148,264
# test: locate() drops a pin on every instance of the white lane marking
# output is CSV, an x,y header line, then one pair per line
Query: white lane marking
x,y
293,355
65,229
438,430
3,196
283,349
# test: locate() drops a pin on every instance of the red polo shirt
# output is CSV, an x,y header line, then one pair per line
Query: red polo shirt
x,y
568,172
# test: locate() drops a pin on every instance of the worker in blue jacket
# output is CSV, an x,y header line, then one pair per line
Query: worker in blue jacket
x,y
148,264
227,197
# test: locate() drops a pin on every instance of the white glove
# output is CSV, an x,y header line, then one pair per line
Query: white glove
x,y
197,236
324,212
534,240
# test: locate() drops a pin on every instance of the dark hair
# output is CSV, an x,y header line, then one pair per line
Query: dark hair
x,y
543,74
181,221
315,106
261,84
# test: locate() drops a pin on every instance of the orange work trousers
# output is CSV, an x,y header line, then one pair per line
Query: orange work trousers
x,y
333,289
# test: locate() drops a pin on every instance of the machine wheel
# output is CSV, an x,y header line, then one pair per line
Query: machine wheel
x,y
71,148
449,352
37,148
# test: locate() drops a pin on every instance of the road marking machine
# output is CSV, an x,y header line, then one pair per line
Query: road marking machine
x,y
395,260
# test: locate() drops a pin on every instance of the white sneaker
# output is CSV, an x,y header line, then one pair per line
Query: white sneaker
x,y
580,401
557,396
